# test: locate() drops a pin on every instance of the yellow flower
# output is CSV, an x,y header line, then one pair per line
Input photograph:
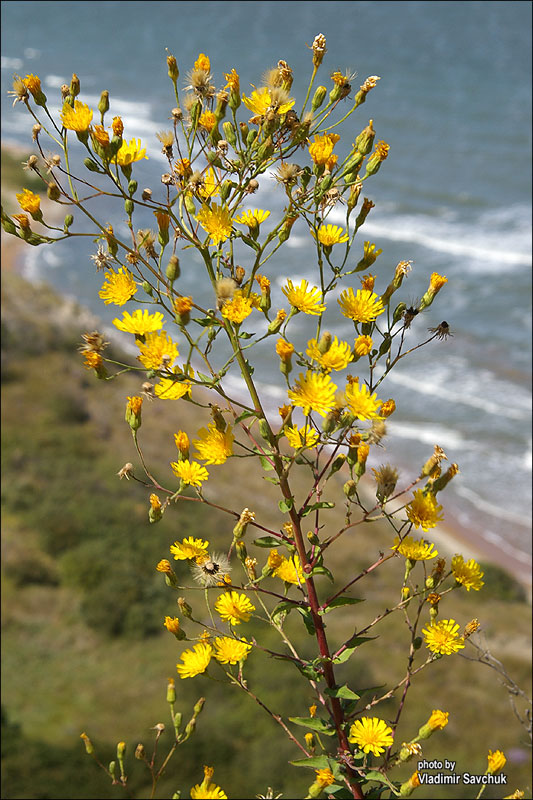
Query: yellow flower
x,y
363,345
117,126
364,306
368,281
101,136
238,308
207,790
33,84
290,571
371,735
28,201
388,408
207,120
253,218
313,392
361,403
157,350
261,100
78,118
324,777
436,282
140,322
496,761
304,299
213,446
195,661
189,548
467,572
164,566
172,624
232,79
181,441
443,637
231,651
423,510
92,360
438,720
321,149
169,389
129,153
274,559
234,607
211,184
182,305
118,287
216,221
301,437
284,349
202,62
414,550
328,235
190,472
337,357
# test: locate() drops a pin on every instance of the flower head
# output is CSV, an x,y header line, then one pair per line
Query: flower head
x,y
231,651
139,322
234,607
301,437
303,299
207,120
238,308
322,148
337,356
28,201
207,790
414,550
211,570
324,777
157,350
189,548
78,118
438,720
216,221
360,402
496,761
263,99
169,389
423,510
443,637
371,735
118,287
190,472
213,446
129,153
328,235
313,392
252,218
363,345
467,572
195,661
290,570
364,306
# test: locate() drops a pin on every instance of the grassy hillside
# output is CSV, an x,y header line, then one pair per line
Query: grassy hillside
x,y
83,644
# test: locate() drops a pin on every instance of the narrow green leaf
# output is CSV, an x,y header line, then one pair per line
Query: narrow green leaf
x,y
246,335
265,463
323,504
340,601
342,692
245,415
308,619
316,762
266,541
322,571
314,724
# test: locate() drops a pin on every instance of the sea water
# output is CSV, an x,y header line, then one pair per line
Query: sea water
x,y
454,196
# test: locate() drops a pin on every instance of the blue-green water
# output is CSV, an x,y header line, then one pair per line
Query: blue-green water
x,y
454,196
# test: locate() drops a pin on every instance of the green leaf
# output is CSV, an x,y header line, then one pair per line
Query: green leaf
x,y
204,378
323,504
321,570
286,505
340,601
308,619
352,646
265,463
315,762
342,692
270,480
310,672
314,724
267,541
244,415
206,322
246,335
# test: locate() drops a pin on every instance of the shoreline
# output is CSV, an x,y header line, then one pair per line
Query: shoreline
x,y
450,537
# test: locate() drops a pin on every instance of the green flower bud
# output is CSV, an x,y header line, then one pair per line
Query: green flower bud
x,y
103,104
173,268
229,133
147,287
129,206
91,165
132,187
318,97
69,219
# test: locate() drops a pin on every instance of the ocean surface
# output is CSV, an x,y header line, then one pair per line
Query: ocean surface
x,y
454,196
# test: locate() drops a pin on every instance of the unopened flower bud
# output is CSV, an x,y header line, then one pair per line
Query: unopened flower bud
x,y
89,749
133,412
173,71
103,104
173,269
184,607
171,691
318,97
53,192
74,88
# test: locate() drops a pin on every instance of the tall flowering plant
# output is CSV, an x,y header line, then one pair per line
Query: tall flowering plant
x,y
221,145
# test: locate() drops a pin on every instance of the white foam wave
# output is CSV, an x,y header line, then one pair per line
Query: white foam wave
x,y
490,508
429,434
434,385
482,242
